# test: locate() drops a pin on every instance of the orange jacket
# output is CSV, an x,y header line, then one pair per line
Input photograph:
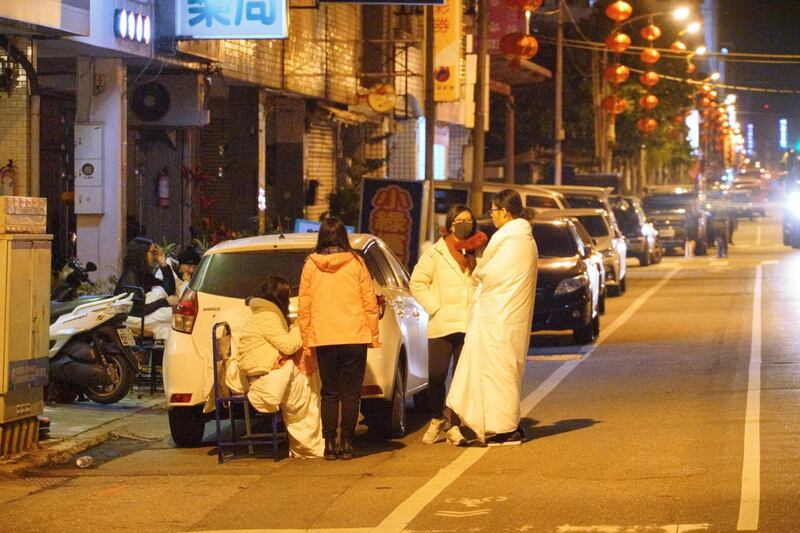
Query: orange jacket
x,y
337,302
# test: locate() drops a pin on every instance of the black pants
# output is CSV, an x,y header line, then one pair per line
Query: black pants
x,y
440,351
341,369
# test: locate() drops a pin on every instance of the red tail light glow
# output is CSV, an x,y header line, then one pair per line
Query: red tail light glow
x,y
185,312
181,397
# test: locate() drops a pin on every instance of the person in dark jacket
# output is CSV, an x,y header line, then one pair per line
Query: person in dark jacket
x,y
142,259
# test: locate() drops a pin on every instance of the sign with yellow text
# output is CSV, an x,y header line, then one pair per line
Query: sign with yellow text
x,y
447,51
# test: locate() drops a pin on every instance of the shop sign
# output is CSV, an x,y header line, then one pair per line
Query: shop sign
x,y
392,211
384,2
27,373
230,19
447,51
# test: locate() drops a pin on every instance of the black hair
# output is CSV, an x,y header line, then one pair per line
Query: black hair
x,y
276,290
454,211
510,200
189,256
333,234
136,261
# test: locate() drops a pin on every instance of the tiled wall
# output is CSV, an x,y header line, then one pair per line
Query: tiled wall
x,y
15,127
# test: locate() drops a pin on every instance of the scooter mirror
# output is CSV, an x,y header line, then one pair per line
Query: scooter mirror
x,y
91,267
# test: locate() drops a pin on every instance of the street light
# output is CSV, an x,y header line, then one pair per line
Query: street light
x,y
681,13
693,27
701,51
715,76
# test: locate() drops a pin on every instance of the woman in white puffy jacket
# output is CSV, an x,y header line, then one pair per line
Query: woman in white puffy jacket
x,y
282,376
442,285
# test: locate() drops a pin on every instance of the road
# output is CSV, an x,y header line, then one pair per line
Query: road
x,y
683,417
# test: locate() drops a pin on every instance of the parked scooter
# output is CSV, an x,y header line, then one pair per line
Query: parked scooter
x,y
90,351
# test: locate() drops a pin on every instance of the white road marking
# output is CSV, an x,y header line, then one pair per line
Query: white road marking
x,y
556,357
409,509
462,514
607,528
751,464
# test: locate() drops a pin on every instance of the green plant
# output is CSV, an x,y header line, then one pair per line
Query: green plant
x,y
170,249
344,203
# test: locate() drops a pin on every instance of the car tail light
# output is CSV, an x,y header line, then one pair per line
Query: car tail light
x,y
371,390
181,397
185,312
381,299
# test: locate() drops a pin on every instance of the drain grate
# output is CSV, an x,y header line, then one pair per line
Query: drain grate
x,y
41,482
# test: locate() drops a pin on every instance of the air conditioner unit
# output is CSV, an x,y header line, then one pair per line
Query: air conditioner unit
x,y
171,101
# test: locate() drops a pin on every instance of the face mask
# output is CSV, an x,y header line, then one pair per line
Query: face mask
x,y
462,230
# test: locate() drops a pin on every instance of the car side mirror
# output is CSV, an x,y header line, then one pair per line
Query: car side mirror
x,y
91,267
587,252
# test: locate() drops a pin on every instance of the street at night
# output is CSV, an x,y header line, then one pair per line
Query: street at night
x,y
647,430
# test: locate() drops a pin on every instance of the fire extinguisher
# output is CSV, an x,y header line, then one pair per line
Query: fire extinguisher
x,y
162,188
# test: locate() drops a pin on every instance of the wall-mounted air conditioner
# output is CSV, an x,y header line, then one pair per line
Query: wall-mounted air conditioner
x,y
171,101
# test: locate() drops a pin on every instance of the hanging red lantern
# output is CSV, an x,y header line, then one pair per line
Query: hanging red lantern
x,y
618,42
647,125
649,102
616,73
518,46
650,56
524,5
678,46
691,68
619,11
713,95
705,102
651,32
649,79
614,105
706,88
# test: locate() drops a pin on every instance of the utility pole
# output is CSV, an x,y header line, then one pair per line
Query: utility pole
x,y
559,133
478,133
430,118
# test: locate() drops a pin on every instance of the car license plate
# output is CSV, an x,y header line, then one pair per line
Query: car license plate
x,y
126,336
667,232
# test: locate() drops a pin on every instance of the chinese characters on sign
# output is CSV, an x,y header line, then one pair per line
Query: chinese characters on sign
x,y
392,210
447,51
231,19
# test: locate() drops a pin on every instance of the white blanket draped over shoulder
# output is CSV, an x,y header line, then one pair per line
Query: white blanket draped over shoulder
x,y
485,391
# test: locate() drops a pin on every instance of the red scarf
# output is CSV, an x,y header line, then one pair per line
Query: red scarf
x,y
463,251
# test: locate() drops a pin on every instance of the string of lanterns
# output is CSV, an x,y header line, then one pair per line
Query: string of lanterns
x,y
616,73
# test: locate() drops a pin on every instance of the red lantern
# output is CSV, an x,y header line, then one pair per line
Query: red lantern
x,y
649,79
691,68
619,11
706,88
650,56
618,42
518,46
614,105
705,102
524,5
651,32
713,95
647,125
616,73
649,102
678,46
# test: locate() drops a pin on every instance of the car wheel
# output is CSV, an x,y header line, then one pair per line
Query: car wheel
x,y
658,254
613,290
644,259
388,417
623,285
601,303
596,326
186,425
583,334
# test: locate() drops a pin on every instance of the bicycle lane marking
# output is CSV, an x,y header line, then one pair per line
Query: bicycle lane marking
x,y
407,511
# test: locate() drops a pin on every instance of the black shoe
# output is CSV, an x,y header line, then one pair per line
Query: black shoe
x,y
346,453
512,438
331,453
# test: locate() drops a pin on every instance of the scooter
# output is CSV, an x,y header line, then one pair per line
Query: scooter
x,y
64,294
90,352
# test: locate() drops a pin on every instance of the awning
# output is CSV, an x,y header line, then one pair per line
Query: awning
x,y
517,75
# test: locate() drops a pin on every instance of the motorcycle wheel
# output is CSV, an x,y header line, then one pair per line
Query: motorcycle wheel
x,y
122,380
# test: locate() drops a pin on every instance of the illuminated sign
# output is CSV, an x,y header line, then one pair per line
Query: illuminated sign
x,y
392,211
783,133
231,19
132,26
750,135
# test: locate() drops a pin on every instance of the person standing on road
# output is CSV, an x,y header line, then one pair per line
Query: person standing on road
x,y
485,391
692,233
338,315
441,284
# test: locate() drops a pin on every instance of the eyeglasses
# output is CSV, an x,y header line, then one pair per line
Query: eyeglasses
x,y
467,220
493,209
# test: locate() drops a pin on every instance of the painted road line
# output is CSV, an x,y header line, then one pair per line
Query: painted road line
x,y
751,464
608,528
409,509
556,357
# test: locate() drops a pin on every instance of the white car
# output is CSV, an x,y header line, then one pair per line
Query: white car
x,y
609,241
227,275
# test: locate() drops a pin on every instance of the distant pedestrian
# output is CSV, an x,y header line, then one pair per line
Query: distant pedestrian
x,y
441,284
338,315
721,232
692,232
485,391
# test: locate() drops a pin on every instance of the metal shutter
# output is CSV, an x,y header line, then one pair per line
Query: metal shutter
x,y
320,165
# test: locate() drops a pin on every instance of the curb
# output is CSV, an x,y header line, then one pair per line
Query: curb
x,y
63,451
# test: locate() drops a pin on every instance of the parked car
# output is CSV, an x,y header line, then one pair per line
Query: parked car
x,y
584,197
609,242
670,208
641,237
569,283
791,215
533,197
226,276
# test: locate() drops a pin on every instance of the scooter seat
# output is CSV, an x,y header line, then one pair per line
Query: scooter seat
x,y
57,309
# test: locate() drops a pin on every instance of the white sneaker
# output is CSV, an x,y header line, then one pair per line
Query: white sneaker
x,y
434,431
455,437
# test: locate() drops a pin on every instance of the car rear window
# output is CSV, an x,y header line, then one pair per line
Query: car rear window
x,y
554,240
236,275
585,202
595,225
540,201
669,201
627,219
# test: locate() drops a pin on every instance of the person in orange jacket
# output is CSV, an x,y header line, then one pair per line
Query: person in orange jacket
x,y
338,316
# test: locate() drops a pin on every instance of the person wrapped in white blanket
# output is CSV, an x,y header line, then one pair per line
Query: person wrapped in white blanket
x,y
281,374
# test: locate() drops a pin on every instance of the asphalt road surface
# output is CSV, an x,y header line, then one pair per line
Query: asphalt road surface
x,y
685,416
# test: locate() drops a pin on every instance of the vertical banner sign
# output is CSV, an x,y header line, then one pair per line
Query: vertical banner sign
x,y
502,20
447,51
392,211
230,19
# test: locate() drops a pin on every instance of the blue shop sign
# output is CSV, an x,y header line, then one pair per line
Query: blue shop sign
x,y
230,19
27,373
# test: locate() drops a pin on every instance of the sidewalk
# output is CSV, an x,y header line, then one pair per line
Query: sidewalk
x,y
82,425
